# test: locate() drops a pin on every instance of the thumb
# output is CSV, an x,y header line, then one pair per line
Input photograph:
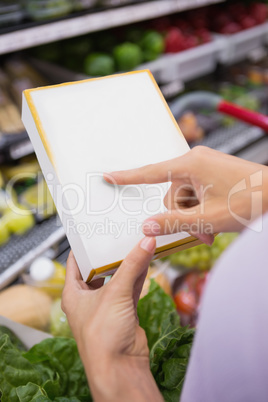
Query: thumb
x,y
135,264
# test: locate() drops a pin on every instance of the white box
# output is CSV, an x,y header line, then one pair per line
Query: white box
x,y
82,129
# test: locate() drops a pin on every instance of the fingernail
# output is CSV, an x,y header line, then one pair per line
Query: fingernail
x,y
148,244
109,178
206,238
151,228
210,240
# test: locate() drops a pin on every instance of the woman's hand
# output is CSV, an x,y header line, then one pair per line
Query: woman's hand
x,y
211,192
104,322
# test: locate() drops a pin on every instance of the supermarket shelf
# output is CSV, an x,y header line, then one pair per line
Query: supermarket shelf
x,y
236,47
14,146
186,65
20,251
91,22
171,71
193,63
173,68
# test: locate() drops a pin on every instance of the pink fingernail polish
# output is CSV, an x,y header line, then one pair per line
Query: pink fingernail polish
x,y
148,244
151,228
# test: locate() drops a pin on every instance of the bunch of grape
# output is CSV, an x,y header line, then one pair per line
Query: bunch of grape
x,y
203,256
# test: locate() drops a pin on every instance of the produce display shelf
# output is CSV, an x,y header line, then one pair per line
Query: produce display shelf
x,y
239,46
168,69
186,65
15,146
183,66
94,21
20,251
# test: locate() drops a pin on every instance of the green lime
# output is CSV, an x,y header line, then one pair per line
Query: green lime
x,y
98,64
127,56
152,44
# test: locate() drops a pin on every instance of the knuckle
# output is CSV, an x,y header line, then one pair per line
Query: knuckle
x,y
200,150
133,261
130,261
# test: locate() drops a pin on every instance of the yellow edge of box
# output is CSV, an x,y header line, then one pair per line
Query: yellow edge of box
x,y
161,251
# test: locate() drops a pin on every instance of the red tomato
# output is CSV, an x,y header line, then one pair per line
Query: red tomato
x,y
259,12
174,41
190,41
231,28
247,22
185,302
204,35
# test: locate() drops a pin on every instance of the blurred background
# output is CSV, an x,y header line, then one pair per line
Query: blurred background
x,y
219,47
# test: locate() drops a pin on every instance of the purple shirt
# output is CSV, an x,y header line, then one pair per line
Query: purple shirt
x,y
229,360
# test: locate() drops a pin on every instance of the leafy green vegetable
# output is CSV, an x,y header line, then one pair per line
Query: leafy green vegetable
x,y
50,371
169,343
152,311
61,356
31,392
15,341
15,370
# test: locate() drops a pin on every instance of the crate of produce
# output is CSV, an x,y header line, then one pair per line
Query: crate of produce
x,y
185,65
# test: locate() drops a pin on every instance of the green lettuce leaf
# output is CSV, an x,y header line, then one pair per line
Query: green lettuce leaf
x,y
15,370
13,338
61,356
171,336
172,396
50,371
152,310
169,343
31,392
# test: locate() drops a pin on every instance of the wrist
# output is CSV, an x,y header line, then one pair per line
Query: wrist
x,y
121,378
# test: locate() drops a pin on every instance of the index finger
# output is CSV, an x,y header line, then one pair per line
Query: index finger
x,y
154,173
